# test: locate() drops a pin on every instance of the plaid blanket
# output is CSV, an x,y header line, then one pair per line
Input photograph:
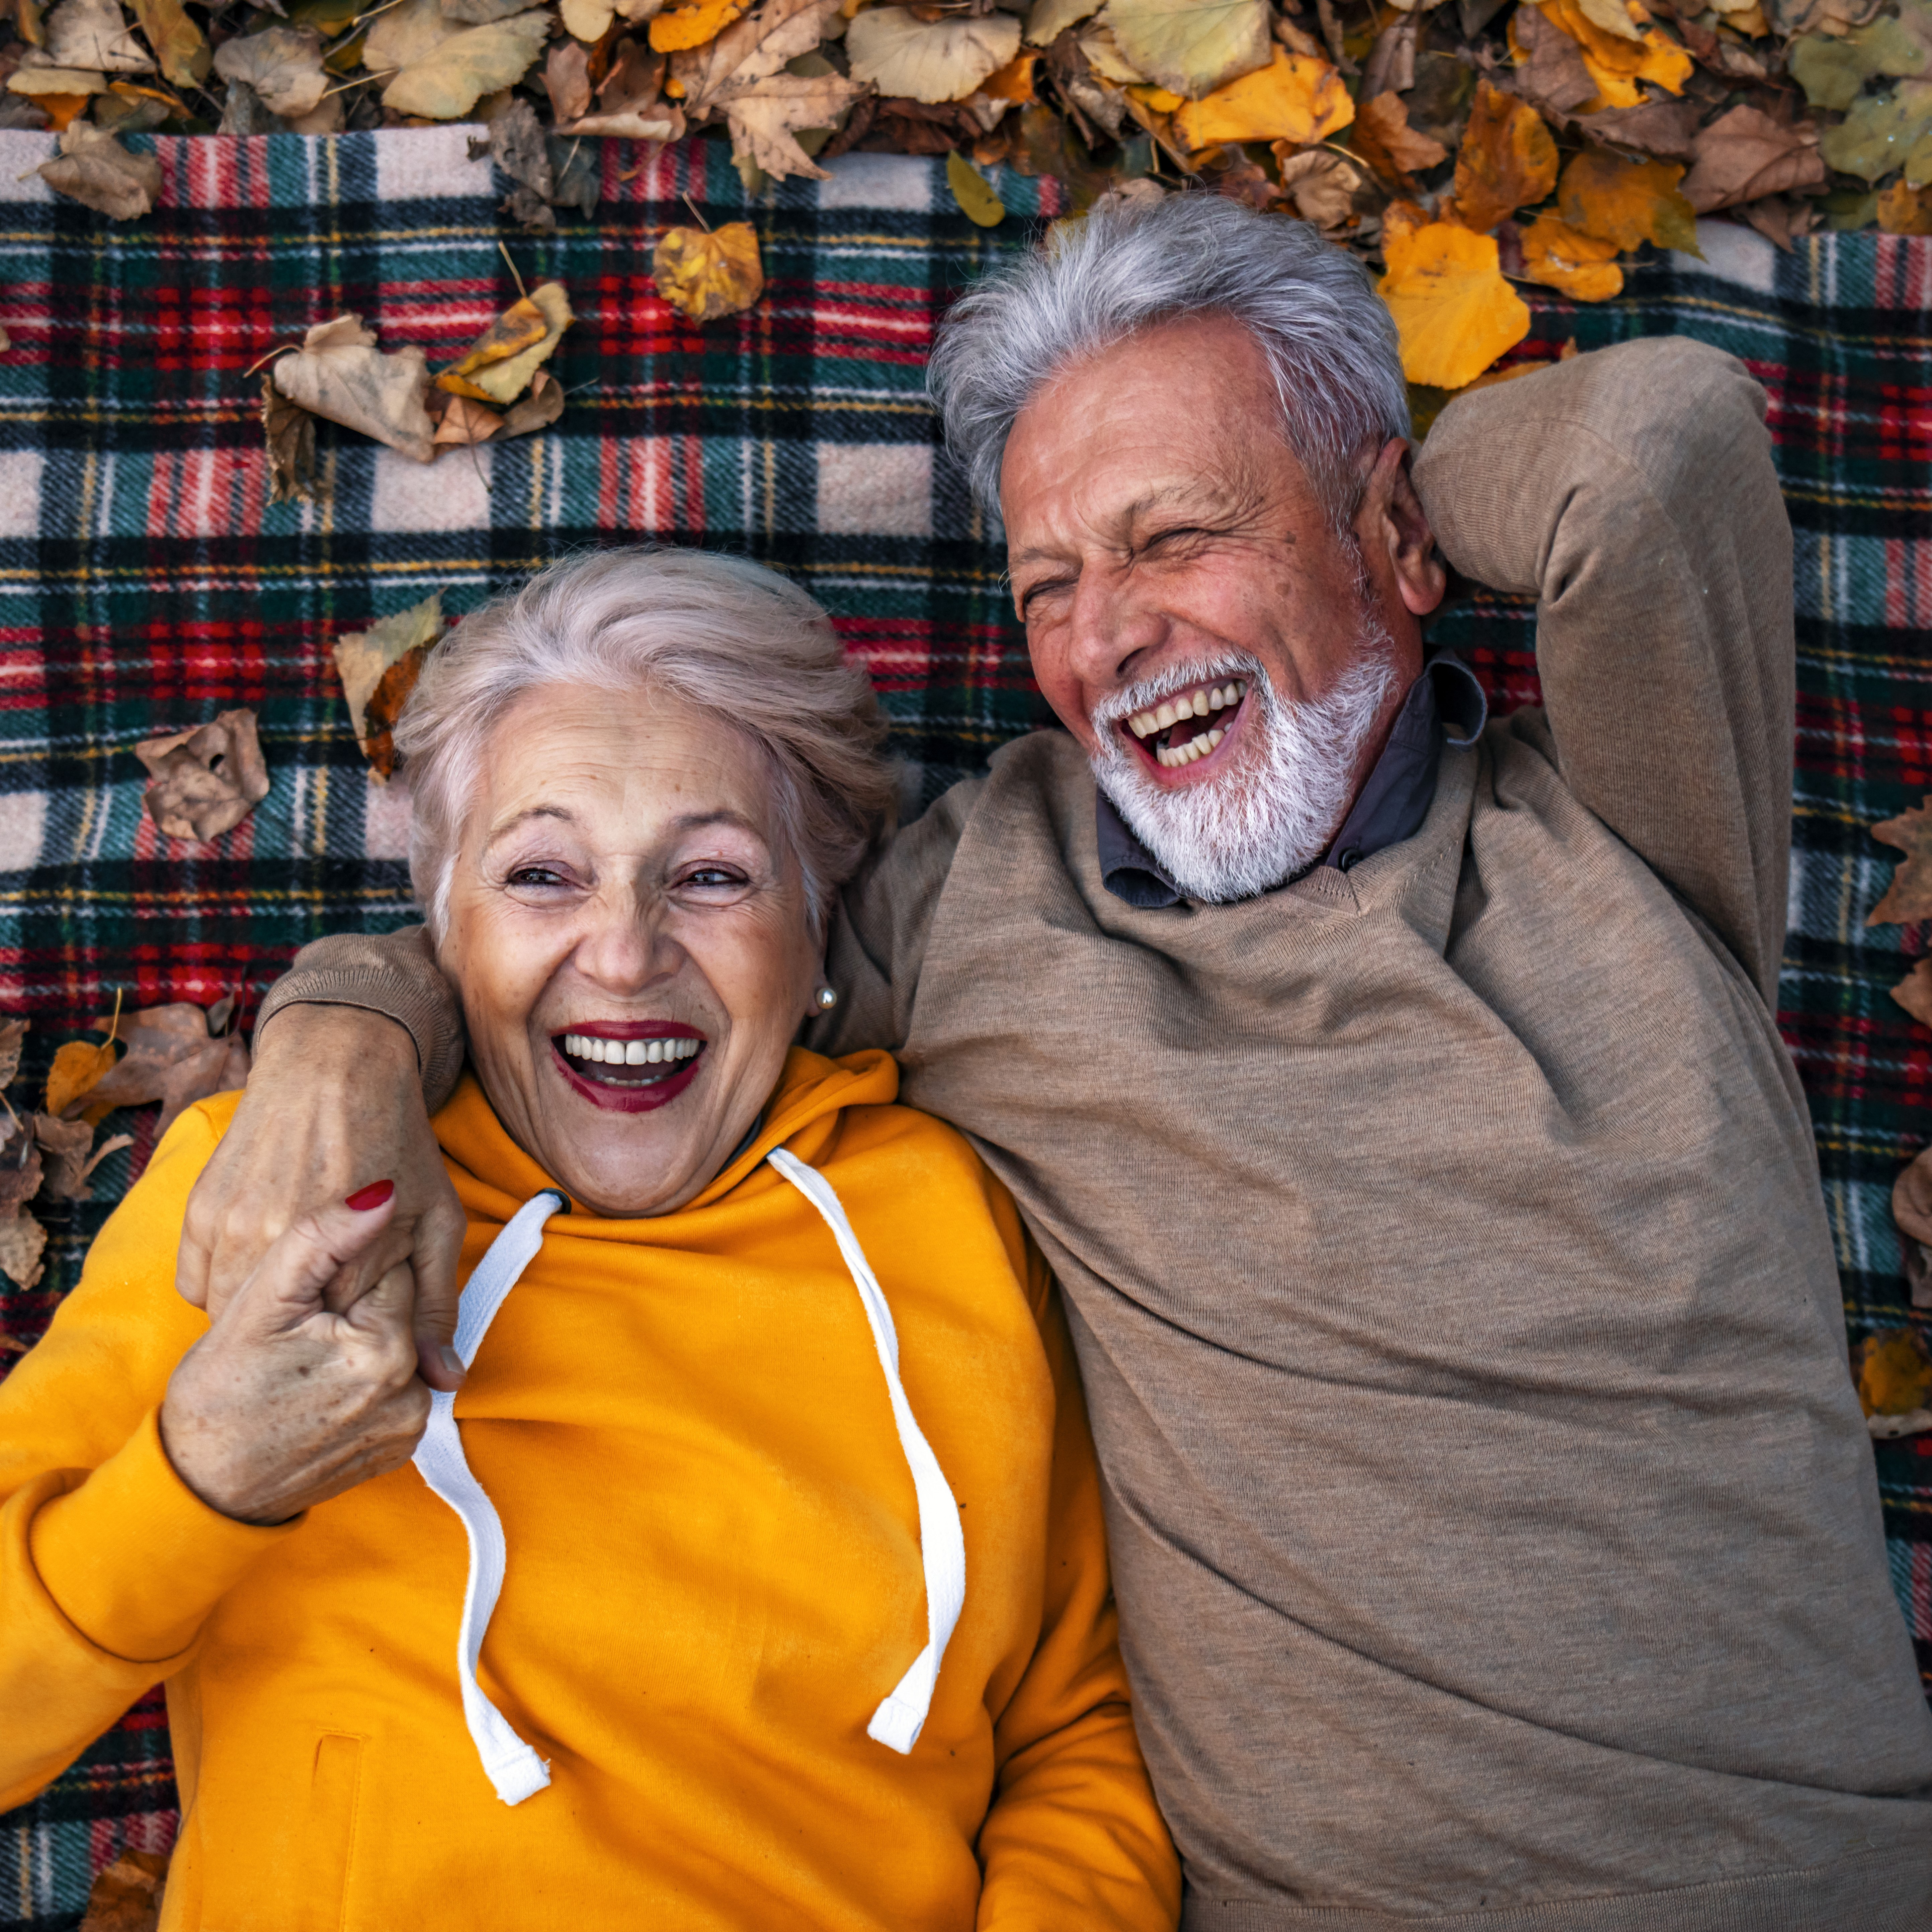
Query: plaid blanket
x,y
146,582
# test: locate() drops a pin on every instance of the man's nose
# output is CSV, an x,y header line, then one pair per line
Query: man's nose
x,y
1113,624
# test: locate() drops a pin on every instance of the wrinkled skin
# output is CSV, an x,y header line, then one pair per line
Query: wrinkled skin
x,y
1152,510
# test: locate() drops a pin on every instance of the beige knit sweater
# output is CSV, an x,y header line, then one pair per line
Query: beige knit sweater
x,y
1493,1519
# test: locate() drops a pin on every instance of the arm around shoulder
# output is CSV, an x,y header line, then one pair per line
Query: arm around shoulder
x,y
1631,492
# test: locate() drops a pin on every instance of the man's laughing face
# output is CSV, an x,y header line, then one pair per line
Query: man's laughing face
x,y
1230,663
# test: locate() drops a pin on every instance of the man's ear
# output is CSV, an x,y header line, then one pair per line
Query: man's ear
x,y
1394,532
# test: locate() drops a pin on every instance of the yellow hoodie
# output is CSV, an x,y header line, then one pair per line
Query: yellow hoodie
x,y
714,1574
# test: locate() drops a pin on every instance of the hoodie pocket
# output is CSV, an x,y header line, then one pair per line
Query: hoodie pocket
x,y
328,1843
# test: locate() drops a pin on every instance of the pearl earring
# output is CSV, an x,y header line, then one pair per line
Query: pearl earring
x,y
828,998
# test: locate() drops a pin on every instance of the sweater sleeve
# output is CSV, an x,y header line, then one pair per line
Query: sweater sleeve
x,y
1074,1836
1639,505
110,1565
392,974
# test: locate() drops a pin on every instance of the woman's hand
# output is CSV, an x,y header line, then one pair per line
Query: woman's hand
x,y
301,1390
333,1094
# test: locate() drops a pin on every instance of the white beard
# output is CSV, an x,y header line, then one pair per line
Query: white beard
x,y
1274,811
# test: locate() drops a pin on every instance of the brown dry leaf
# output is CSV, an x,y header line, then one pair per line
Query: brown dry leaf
x,y
338,372
1914,992
704,276
752,49
204,780
538,410
1627,201
1322,187
446,82
1665,127
171,1057
283,64
71,1155
1050,19
1453,312
1391,67
23,1240
1909,897
94,168
692,25
1293,98
177,43
378,667
12,1034
1561,257
289,432
127,1896
764,117
465,420
567,80
405,33
1383,138
1403,218
94,34
1896,1375
944,59
1744,155
1507,160
1188,48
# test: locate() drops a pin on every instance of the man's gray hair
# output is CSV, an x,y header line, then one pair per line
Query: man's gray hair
x,y
1129,264
720,634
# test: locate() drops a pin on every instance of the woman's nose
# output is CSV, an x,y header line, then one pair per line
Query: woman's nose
x,y
624,946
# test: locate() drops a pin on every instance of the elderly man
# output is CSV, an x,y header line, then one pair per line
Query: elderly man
x,y
1397,1098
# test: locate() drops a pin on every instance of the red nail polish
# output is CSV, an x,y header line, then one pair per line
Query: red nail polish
x,y
373,1195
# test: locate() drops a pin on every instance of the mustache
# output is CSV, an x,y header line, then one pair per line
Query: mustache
x,y
1167,683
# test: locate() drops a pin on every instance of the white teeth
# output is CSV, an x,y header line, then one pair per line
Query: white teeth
x,y
634,1053
1140,724
1201,707
662,1050
603,1052
1214,737
1163,715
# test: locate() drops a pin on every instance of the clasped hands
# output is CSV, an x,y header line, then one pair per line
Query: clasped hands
x,y
306,1384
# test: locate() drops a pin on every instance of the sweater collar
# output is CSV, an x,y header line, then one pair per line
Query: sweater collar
x,y
1446,700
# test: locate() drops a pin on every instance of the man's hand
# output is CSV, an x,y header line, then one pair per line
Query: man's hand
x,y
333,1096
296,1394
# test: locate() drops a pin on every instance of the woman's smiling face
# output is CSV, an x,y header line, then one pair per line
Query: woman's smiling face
x,y
628,927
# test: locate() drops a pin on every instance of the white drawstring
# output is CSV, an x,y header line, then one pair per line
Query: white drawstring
x,y
513,1768
897,1721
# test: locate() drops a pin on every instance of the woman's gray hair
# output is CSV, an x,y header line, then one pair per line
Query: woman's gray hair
x,y
1131,264
722,634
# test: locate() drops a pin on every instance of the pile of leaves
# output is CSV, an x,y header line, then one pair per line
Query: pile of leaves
x,y
1462,145
174,1054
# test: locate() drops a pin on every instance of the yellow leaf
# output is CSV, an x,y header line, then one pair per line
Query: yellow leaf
x,y
1613,16
691,26
1903,209
1013,81
1561,257
1191,46
970,190
520,325
390,653
1453,312
1293,98
1627,201
1617,64
177,41
1896,1378
1507,160
503,382
78,1068
704,276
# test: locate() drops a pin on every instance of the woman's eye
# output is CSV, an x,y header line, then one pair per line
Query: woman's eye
x,y
535,875
713,877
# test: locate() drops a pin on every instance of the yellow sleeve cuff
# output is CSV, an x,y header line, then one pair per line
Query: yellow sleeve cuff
x,y
134,1559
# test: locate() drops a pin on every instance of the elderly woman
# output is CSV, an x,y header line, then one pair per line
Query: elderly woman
x,y
755,1576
